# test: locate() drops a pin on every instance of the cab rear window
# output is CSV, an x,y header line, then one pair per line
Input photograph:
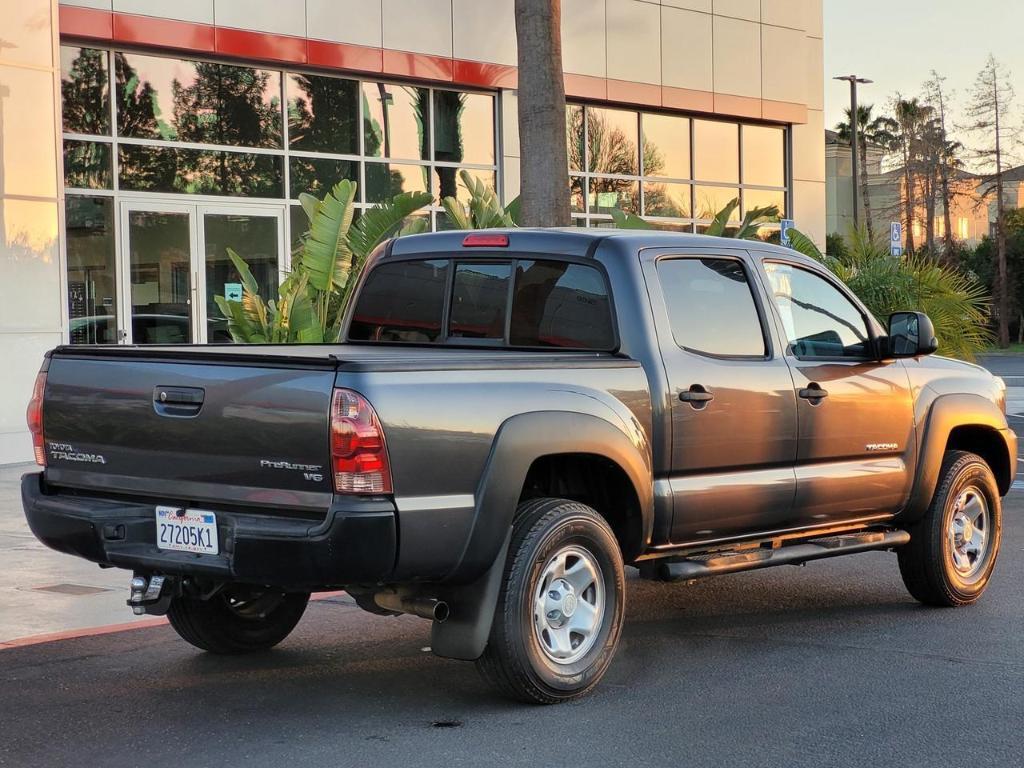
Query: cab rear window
x,y
534,303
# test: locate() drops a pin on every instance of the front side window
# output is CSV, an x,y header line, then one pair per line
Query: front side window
x,y
711,307
819,320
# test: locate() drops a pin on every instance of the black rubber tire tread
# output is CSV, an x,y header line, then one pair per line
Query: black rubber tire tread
x,y
923,562
502,665
211,625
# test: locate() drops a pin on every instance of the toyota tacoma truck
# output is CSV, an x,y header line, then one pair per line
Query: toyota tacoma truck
x,y
512,418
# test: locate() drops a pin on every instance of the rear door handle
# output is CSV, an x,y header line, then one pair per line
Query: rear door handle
x,y
814,393
697,396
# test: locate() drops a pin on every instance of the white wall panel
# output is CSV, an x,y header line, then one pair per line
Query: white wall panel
x,y
484,30
584,47
634,41
199,11
781,48
280,17
420,26
101,5
687,58
345,21
737,57
739,9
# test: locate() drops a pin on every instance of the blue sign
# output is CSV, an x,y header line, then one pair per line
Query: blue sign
x,y
896,238
787,224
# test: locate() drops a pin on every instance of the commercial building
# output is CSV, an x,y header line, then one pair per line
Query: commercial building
x,y
141,138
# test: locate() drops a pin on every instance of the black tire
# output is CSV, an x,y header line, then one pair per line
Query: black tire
x,y
238,619
927,562
514,660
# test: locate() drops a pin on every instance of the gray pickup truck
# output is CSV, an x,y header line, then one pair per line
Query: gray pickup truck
x,y
513,418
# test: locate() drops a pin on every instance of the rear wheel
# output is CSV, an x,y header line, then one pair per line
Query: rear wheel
x,y
953,549
559,614
238,619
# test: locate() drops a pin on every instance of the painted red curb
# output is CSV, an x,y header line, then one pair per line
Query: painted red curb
x,y
110,629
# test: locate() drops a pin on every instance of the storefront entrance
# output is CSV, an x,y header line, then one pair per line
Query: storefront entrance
x,y
174,261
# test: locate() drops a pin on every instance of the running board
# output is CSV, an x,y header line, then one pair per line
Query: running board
x,y
793,554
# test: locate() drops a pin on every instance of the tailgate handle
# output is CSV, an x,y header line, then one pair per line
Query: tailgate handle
x,y
178,401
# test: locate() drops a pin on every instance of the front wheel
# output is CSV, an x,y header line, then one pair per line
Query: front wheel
x,y
559,614
238,619
953,549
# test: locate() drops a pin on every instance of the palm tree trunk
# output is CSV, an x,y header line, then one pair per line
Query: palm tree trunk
x,y
865,189
545,164
947,214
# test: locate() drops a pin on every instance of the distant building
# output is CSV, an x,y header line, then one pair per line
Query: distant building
x,y
972,209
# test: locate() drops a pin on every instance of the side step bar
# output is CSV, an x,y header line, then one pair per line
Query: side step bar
x,y
720,563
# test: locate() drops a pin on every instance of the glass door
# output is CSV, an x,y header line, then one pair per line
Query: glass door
x,y
158,275
175,262
256,234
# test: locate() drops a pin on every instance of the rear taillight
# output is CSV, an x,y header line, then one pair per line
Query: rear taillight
x,y
34,416
359,455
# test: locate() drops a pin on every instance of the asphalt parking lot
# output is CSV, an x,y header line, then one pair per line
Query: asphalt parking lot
x,y
828,665
832,664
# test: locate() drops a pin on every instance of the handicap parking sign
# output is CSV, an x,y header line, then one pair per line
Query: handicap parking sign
x,y
786,225
896,238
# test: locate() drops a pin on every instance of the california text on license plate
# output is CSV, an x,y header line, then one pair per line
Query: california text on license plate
x,y
188,530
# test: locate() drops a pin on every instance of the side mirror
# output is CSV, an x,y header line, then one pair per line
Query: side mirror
x,y
911,334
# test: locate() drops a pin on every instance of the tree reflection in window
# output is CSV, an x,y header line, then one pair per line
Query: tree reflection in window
x,y
85,91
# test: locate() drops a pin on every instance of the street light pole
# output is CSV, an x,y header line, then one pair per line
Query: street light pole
x,y
854,81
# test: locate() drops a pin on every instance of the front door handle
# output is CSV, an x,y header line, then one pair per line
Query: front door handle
x,y
814,393
697,396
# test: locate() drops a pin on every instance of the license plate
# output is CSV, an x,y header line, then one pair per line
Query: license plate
x,y
186,530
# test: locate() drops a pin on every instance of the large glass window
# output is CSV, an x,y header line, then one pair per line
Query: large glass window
x,y
265,133
711,307
819,320
92,285
85,91
197,101
323,114
673,170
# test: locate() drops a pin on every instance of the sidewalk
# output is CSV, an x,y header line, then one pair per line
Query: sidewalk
x,y
42,591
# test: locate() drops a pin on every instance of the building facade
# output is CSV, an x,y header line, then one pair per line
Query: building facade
x,y
139,139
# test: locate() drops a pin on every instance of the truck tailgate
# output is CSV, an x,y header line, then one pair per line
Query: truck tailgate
x,y
192,427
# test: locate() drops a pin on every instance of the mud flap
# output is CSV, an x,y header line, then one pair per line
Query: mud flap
x,y
465,633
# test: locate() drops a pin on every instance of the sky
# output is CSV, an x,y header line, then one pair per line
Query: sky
x,y
897,43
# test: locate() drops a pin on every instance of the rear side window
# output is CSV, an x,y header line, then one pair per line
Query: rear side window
x,y
558,304
711,307
402,302
518,303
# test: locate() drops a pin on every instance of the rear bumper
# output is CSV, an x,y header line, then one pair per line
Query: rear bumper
x,y
355,544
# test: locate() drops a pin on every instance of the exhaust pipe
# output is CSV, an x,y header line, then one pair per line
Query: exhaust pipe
x,y
424,607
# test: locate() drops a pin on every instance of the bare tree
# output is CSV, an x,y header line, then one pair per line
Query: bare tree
x,y
990,124
949,160
542,134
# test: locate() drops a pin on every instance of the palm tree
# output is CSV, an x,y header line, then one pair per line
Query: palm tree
x,y
873,131
325,266
545,162
911,116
